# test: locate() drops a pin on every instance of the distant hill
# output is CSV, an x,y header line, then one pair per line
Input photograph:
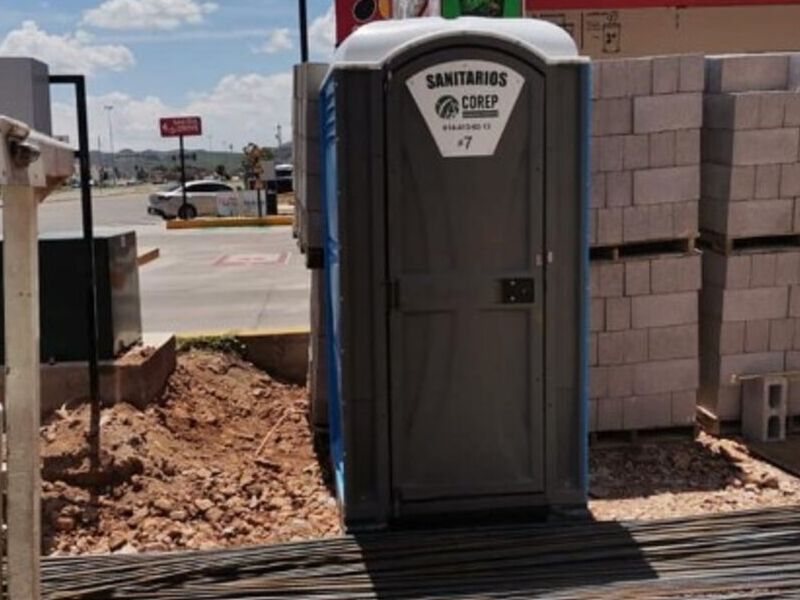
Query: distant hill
x,y
127,162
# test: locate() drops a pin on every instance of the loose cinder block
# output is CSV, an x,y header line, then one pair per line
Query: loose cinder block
x,y
781,334
684,408
692,73
765,146
666,376
754,304
609,226
676,274
759,218
673,184
637,278
663,310
598,194
748,72
636,151
619,189
726,182
647,412
607,153
756,336
618,314
768,180
665,343
652,114
620,381
612,116
790,180
666,74
764,269
687,147
662,149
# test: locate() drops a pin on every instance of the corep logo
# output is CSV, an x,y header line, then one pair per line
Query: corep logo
x,y
447,107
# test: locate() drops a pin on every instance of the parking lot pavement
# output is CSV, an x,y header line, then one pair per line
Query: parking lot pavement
x,y
208,280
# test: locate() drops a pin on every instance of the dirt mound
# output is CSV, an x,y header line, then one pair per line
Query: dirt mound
x,y
226,459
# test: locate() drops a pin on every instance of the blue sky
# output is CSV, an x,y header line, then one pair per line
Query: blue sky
x,y
227,60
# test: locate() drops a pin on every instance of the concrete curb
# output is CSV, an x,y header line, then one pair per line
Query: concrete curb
x,y
210,223
147,255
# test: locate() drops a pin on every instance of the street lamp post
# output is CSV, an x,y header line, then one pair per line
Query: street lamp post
x,y
108,108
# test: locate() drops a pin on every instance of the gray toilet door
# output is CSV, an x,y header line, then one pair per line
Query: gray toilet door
x,y
465,231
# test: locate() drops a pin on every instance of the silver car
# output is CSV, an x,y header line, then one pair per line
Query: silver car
x,y
206,198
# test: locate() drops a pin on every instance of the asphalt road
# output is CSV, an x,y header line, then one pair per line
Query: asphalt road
x,y
206,280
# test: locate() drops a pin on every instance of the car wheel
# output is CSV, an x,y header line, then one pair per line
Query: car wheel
x,y
187,212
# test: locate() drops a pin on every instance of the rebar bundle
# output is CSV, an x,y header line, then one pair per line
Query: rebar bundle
x,y
731,556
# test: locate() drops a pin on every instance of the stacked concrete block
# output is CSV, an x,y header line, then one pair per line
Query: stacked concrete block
x,y
647,116
644,363
306,134
750,304
317,355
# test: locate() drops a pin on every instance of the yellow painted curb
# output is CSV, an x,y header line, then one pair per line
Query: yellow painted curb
x,y
147,256
210,223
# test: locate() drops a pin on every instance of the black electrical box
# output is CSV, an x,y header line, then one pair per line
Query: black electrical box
x,y
64,293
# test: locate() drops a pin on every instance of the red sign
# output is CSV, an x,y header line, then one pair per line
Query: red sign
x,y
351,14
181,126
537,5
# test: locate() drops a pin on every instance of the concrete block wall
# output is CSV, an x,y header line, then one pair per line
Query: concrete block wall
x,y
647,116
644,363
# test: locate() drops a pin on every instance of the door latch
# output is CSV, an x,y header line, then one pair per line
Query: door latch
x,y
518,290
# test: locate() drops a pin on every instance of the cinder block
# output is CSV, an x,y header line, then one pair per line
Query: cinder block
x,y
620,381
618,314
593,226
674,184
652,114
772,109
660,221
666,74
609,277
596,76
750,72
791,115
676,274
640,77
614,78
756,336
790,180
663,310
666,376
794,301
609,414
753,304
598,382
635,345
684,408
647,412
730,272
787,268
637,278
764,269
685,217
781,334
765,146
597,315
598,197
718,111
692,73
621,347
619,189
635,224
612,116
636,151
687,147
768,179
731,338
764,409
662,149
607,153
725,182
609,226
667,343
759,218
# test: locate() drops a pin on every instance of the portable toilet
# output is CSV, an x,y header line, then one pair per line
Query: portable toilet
x,y
455,202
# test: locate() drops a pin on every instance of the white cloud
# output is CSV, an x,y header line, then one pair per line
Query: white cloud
x,y
147,14
239,109
68,53
277,41
322,35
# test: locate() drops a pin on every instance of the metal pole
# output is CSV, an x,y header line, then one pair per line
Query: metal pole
x,y
22,390
108,110
183,177
91,284
303,31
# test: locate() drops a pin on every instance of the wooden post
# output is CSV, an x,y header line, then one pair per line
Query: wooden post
x,y
22,389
